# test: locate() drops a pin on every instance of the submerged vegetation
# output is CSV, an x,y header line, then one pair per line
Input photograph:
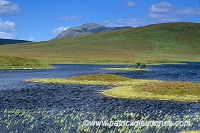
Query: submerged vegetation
x,y
11,62
71,120
135,89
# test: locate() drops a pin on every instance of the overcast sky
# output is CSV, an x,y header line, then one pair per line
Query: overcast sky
x,y
40,20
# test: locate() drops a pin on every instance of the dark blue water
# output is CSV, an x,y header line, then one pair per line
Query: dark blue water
x,y
183,72
10,79
17,94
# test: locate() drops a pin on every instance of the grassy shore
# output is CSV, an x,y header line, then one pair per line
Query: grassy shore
x,y
198,131
96,79
135,89
173,91
11,62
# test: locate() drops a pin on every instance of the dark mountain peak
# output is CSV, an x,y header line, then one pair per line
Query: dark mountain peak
x,y
84,29
92,25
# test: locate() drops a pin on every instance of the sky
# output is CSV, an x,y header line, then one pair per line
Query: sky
x,y
41,20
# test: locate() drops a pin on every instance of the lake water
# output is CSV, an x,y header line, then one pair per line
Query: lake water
x,y
10,79
17,94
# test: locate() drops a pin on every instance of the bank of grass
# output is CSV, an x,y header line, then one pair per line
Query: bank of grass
x,y
135,88
95,79
173,91
11,62
197,131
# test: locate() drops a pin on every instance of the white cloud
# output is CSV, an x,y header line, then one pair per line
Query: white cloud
x,y
123,22
162,7
70,18
59,30
8,8
166,12
130,4
163,12
189,11
6,35
7,30
7,26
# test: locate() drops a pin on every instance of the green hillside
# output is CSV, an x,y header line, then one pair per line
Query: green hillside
x,y
152,43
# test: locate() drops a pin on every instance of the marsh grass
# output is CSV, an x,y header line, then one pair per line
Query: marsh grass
x,y
71,120
197,131
173,91
101,77
95,79
171,88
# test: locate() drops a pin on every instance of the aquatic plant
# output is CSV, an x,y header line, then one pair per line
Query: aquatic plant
x,y
72,120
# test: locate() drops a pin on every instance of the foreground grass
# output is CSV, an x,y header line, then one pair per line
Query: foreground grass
x,y
11,62
72,120
198,131
173,91
135,89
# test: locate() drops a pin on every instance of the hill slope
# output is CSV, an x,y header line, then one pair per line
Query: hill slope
x,y
11,41
84,29
11,62
167,41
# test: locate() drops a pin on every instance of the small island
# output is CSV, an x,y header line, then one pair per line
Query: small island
x,y
138,66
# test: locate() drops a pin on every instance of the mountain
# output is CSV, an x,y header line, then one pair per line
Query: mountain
x,y
178,41
11,41
84,29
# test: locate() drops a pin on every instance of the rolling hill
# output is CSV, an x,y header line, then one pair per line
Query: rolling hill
x,y
11,41
163,42
11,62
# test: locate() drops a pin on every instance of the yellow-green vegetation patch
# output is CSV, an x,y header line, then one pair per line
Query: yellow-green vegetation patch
x,y
101,77
98,79
11,62
198,131
126,69
174,91
171,88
